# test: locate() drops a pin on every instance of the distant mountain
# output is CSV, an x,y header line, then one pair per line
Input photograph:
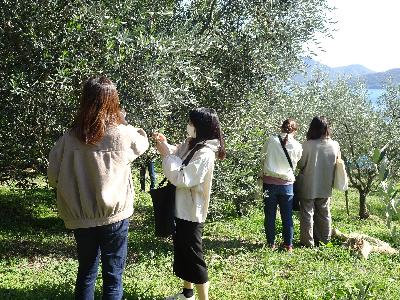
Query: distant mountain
x,y
373,80
353,70
378,80
311,66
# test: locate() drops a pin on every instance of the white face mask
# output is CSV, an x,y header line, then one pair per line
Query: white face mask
x,y
191,131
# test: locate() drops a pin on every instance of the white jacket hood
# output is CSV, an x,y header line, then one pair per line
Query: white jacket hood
x,y
212,144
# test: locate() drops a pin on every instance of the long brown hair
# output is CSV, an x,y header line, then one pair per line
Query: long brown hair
x,y
99,107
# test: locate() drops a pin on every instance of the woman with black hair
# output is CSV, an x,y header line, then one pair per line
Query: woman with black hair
x,y
193,186
317,167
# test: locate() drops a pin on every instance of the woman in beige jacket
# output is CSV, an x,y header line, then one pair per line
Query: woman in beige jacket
x,y
90,167
317,167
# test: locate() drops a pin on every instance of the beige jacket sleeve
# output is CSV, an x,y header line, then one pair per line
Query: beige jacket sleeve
x,y
304,157
140,142
55,158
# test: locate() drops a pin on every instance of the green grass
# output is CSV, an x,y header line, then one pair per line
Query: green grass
x,y
37,256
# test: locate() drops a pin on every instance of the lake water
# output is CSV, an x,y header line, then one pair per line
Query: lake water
x,y
374,94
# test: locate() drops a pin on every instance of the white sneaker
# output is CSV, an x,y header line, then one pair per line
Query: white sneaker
x,y
179,296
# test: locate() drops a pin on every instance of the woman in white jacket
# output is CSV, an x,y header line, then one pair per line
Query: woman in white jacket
x,y
193,187
278,179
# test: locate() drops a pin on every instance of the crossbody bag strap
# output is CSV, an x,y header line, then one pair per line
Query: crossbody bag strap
x,y
192,152
162,182
186,160
286,153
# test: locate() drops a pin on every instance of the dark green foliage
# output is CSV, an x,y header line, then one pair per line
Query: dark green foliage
x,y
165,57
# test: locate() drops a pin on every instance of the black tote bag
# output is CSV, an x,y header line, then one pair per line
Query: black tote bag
x,y
163,199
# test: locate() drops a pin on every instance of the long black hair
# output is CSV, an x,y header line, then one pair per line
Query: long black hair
x,y
206,123
319,128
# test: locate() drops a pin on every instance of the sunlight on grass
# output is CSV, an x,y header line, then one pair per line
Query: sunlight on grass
x,y
37,256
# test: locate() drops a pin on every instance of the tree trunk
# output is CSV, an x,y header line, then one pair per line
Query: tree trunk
x,y
364,214
238,207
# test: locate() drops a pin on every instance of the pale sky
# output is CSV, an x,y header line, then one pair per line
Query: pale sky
x,y
368,33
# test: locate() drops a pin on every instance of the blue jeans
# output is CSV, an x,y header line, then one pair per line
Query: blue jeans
x,y
281,195
152,175
110,242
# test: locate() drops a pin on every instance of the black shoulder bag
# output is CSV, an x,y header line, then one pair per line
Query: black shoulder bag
x,y
163,199
296,200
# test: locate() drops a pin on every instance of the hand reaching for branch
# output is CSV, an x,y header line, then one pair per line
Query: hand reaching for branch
x,y
159,137
161,144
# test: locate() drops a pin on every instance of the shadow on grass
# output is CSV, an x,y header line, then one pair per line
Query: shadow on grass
x,y
28,248
135,296
224,246
141,234
22,210
27,230
61,292
29,227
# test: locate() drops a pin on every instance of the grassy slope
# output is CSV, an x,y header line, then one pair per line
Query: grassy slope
x,y
37,257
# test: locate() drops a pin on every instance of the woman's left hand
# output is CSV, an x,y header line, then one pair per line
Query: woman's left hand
x,y
163,148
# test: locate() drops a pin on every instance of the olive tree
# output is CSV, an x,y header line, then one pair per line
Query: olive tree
x,y
165,57
258,46
389,104
357,125
389,191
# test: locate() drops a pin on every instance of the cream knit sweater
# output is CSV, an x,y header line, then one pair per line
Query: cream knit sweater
x,y
94,183
273,158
